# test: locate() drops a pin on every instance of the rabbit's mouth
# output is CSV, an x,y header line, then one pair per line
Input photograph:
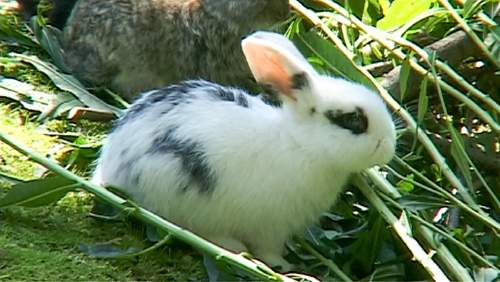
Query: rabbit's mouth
x,y
383,151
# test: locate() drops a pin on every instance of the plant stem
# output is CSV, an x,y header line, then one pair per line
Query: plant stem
x,y
144,215
380,181
380,36
411,123
437,230
470,32
418,252
328,262
454,267
443,253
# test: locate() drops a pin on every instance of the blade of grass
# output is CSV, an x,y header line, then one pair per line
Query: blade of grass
x,y
443,233
444,254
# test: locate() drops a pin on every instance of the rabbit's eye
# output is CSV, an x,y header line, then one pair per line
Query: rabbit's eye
x,y
356,121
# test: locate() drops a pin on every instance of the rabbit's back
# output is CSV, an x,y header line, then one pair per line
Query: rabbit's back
x,y
188,152
122,44
134,45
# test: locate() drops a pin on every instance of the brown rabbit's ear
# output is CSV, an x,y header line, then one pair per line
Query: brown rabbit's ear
x,y
275,61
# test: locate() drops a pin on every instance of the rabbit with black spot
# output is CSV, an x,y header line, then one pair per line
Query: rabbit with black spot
x,y
241,173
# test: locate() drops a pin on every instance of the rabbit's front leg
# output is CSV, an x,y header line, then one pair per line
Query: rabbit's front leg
x,y
271,249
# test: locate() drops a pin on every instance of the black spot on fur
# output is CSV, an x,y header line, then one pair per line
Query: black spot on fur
x,y
136,179
270,96
125,168
241,100
299,81
222,93
191,155
229,94
172,96
355,121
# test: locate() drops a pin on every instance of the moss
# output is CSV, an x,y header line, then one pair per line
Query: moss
x,y
43,243
17,123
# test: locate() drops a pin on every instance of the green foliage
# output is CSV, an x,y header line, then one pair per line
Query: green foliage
x,y
402,11
38,192
439,196
326,57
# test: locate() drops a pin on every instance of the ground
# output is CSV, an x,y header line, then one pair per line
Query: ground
x,y
43,243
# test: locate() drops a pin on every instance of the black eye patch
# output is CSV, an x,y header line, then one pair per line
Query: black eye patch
x,y
355,121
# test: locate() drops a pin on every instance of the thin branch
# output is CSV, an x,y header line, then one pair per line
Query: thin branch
x,y
410,121
418,252
384,37
470,32
440,232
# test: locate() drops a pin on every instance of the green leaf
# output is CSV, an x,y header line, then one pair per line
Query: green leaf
x,y
10,179
38,192
50,105
404,75
10,32
460,156
68,83
472,7
333,60
393,272
25,94
356,7
405,186
367,248
50,38
423,101
421,202
402,11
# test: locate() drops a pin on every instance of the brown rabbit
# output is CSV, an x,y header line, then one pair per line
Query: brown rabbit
x,y
136,45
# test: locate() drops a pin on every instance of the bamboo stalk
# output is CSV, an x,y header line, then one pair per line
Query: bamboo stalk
x,y
470,32
411,123
418,252
440,232
443,253
380,36
258,271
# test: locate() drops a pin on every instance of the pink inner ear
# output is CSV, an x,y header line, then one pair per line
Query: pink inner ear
x,y
267,68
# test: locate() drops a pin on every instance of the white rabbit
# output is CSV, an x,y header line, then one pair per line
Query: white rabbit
x,y
239,172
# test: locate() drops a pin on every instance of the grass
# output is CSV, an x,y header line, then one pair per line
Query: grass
x,y
356,241
43,243
16,122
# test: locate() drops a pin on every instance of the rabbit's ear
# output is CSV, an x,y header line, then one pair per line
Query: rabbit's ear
x,y
274,60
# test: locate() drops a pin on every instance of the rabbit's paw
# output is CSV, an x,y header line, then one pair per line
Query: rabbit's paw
x,y
276,261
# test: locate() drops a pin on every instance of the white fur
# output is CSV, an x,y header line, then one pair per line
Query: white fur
x,y
277,169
